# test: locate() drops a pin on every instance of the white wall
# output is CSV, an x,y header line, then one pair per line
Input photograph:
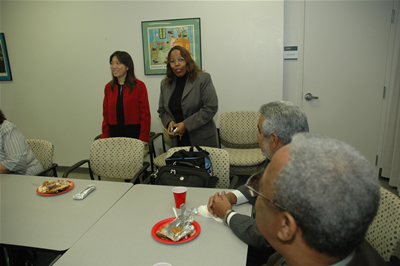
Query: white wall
x,y
59,57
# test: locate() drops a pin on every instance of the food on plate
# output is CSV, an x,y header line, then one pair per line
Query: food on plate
x,y
180,228
162,232
176,230
52,187
175,234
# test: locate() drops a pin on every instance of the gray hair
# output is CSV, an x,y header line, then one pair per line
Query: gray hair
x,y
330,190
283,119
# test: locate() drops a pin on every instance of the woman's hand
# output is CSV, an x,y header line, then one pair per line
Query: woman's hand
x,y
180,128
171,125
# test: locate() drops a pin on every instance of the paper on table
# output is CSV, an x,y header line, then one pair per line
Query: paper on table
x,y
203,211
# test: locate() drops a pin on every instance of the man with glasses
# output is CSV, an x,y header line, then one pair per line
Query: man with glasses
x,y
278,122
315,202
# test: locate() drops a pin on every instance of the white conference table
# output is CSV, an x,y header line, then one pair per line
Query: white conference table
x,y
51,222
123,235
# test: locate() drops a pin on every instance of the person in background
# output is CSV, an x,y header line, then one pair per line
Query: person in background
x,y
315,203
126,111
279,121
188,102
15,155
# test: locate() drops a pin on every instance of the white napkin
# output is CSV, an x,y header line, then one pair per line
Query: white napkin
x,y
203,211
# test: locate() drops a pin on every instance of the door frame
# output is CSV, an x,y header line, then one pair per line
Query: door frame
x,y
393,50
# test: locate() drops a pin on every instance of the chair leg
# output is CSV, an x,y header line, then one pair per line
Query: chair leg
x,y
7,258
91,172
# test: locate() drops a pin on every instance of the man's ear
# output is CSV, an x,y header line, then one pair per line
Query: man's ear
x,y
274,142
288,227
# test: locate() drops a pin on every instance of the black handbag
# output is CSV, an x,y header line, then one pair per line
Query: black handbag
x,y
184,174
200,158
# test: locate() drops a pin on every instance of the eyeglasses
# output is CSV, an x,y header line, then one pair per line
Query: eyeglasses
x,y
180,60
255,193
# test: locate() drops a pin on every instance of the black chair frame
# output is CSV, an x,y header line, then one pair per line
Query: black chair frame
x,y
134,179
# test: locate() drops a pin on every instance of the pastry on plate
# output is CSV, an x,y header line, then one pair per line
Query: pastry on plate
x,y
54,186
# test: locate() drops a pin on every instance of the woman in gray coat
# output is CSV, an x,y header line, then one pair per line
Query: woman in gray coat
x,y
188,102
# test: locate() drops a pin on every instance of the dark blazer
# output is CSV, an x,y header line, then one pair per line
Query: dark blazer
x,y
365,255
245,228
199,105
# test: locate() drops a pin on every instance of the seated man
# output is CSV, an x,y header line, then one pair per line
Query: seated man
x,y
316,200
15,155
278,122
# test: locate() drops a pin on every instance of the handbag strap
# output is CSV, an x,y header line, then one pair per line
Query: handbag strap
x,y
185,164
182,154
197,147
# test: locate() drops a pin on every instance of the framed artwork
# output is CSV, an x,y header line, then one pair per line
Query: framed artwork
x,y
5,70
161,35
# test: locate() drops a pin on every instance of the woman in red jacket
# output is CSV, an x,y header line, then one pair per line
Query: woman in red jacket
x,y
126,111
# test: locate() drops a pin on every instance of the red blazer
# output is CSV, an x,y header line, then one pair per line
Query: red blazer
x,y
137,109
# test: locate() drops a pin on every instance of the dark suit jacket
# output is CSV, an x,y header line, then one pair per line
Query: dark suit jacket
x,y
199,105
365,255
245,228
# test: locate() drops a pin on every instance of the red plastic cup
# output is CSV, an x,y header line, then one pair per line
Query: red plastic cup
x,y
180,196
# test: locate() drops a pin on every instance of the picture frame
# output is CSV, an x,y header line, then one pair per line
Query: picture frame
x,y
160,36
5,70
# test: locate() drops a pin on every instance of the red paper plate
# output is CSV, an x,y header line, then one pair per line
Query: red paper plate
x,y
53,194
160,224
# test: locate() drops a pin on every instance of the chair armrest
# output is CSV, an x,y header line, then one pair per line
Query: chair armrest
x,y
233,181
75,166
147,181
53,168
395,260
151,141
141,171
152,150
219,139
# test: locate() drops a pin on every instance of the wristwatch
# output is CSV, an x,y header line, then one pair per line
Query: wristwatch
x,y
227,215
